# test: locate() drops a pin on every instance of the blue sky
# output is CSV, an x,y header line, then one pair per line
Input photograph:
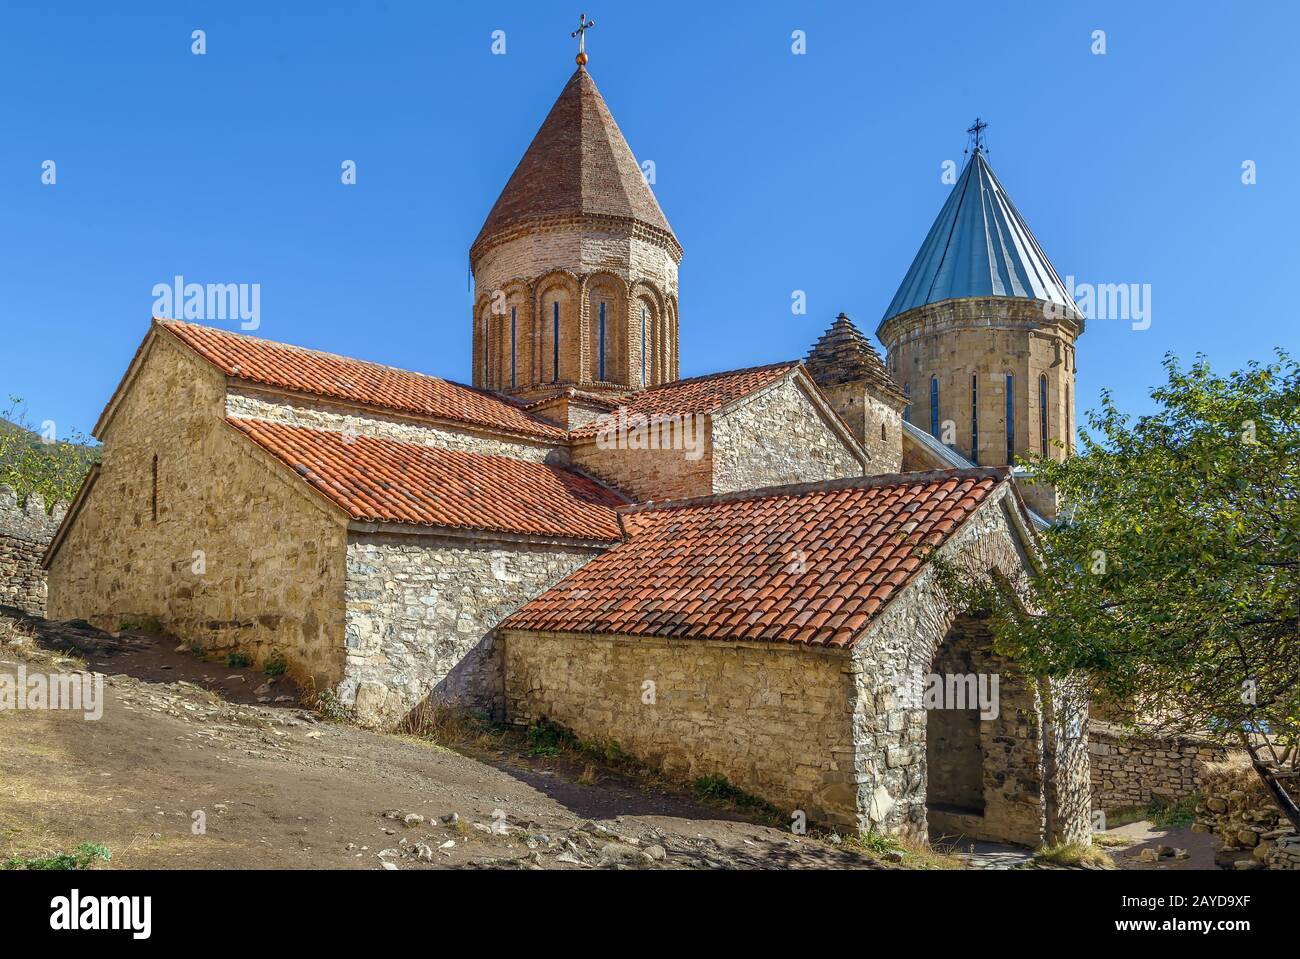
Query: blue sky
x,y
779,172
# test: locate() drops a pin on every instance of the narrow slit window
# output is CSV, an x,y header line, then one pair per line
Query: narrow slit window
x,y
643,383
934,406
1011,420
601,347
1042,413
555,344
907,408
513,347
975,419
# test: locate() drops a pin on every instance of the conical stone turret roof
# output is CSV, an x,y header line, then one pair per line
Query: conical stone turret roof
x,y
844,355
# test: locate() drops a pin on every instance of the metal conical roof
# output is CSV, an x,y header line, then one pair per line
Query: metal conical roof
x,y
578,163
979,245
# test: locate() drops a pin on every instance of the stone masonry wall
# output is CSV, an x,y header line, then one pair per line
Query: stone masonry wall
x,y
645,475
1130,771
889,735
774,719
327,416
987,338
876,424
237,554
24,533
775,437
421,612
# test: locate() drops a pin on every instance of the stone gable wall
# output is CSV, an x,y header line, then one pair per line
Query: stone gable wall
x,y
422,612
272,553
24,533
775,437
773,719
299,411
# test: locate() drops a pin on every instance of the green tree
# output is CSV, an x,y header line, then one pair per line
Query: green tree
x,y
32,462
1172,579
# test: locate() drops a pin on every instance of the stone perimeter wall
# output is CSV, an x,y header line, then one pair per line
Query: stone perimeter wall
x,y
24,533
1129,771
774,719
422,612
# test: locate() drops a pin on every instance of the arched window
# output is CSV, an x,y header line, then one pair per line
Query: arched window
x,y
907,409
514,344
643,383
1011,419
1042,412
934,406
975,419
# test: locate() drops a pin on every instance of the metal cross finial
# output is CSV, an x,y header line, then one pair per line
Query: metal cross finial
x,y
977,131
581,33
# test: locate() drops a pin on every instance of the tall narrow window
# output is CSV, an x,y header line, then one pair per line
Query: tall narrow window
x,y
1011,420
1042,413
975,419
601,348
513,344
555,344
153,493
643,383
907,409
1069,419
934,406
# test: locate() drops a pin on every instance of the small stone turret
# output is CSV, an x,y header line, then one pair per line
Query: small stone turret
x,y
851,374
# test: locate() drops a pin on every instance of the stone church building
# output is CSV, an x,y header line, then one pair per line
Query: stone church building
x,y
727,574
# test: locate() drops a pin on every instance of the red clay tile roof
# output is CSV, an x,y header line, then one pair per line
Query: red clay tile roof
x,y
578,163
811,564
301,370
697,395
378,480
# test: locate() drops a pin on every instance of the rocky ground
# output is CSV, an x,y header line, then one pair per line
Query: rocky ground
x,y
198,765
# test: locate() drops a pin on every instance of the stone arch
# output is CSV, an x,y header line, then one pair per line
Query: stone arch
x,y
1032,780
645,317
563,289
513,341
672,358
481,350
606,349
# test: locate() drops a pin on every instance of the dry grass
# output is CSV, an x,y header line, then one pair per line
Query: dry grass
x,y
1075,855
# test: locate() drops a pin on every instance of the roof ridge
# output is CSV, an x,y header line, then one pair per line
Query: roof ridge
x,y
540,428
720,373
925,477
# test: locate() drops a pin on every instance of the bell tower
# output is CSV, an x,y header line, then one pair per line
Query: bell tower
x,y
575,268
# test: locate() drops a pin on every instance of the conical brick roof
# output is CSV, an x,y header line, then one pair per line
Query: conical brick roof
x,y
578,164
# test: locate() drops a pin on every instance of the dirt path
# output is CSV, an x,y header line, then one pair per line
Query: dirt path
x,y
275,787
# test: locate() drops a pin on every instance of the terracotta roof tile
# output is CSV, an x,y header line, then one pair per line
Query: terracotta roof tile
x,y
697,395
281,366
377,480
767,566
